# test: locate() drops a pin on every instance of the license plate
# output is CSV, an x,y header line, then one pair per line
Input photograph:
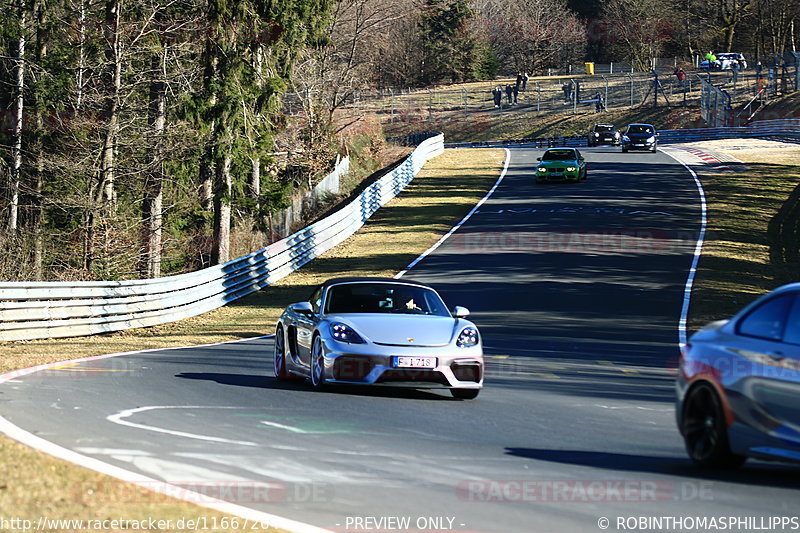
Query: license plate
x,y
556,173
638,145
413,362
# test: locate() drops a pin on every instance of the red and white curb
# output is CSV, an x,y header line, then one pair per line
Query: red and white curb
x,y
705,158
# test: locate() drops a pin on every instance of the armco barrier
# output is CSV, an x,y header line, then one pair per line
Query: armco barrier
x,y
788,129
37,310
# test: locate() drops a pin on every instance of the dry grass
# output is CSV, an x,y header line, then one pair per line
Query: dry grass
x,y
443,192
752,240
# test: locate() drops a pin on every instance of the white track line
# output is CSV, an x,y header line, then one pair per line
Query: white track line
x,y
461,222
698,249
155,485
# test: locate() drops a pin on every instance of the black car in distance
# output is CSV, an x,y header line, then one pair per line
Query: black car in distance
x,y
640,137
603,134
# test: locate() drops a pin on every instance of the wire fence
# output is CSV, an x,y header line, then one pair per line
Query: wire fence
x,y
543,95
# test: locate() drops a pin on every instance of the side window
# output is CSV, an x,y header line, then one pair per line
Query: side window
x,y
792,332
768,320
578,154
316,300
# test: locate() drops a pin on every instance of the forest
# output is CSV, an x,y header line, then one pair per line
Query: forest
x,y
143,138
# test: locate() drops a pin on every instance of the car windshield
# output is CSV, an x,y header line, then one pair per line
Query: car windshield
x,y
602,129
558,155
384,298
636,128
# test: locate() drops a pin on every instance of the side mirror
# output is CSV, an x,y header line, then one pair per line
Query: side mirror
x,y
460,312
538,158
302,308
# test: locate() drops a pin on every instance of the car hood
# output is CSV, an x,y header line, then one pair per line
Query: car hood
x,y
401,330
559,162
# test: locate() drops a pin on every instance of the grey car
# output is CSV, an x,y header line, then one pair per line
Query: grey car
x,y
379,331
738,385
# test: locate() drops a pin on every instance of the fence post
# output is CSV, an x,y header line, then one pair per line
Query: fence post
x,y
574,96
430,104
538,96
631,78
611,68
391,117
464,98
605,98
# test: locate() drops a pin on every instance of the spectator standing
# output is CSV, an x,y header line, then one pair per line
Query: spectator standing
x,y
524,81
567,88
516,93
519,79
497,95
510,94
599,105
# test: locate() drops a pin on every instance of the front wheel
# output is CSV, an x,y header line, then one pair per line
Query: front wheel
x,y
704,431
465,394
279,356
317,364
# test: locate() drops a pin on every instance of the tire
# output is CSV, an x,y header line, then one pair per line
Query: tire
x,y
704,431
465,394
279,355
317,364
585,174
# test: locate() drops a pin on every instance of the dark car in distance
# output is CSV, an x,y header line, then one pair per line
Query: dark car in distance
x,y
640,137
603,134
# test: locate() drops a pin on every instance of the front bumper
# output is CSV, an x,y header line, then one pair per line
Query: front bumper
x,y
638,145
557,176
613,141
371,364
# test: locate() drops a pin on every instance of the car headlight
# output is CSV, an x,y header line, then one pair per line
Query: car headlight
x,y
541,169
344,333
626,138
596,134
651,139
571,169
467,338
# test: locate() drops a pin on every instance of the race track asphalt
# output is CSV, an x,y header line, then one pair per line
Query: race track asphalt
x,y
577,290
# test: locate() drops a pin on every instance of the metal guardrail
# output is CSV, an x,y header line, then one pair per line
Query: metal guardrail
x,y
37,310
784,128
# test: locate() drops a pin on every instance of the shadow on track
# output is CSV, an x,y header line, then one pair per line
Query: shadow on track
x,y
757,473
266,382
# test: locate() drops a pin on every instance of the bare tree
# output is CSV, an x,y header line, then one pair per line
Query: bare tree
x,y
530,35
640,28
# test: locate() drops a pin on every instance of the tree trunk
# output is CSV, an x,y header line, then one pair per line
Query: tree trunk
x,y
81,54
37,204
222,210
16,136
153,201
106,192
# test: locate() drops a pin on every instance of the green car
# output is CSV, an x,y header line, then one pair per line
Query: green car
x,y
561,164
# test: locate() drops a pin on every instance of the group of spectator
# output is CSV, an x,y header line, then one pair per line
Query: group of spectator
x,y
511,91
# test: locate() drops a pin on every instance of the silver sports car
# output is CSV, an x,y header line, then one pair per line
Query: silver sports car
x,y
379,331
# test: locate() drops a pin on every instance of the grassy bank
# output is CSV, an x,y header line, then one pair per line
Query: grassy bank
x,y
33,484
754,228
